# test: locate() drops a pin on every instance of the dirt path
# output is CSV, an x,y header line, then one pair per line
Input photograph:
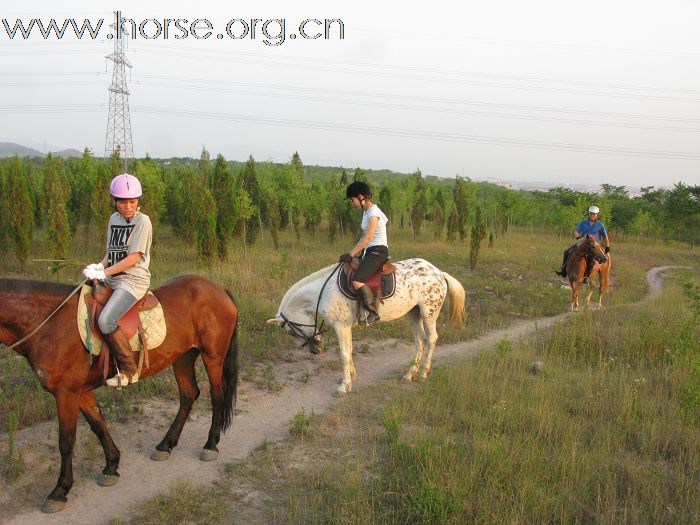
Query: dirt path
x,y
262,416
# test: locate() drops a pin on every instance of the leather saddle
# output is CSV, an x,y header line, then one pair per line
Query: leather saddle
x,y
130,323
382,282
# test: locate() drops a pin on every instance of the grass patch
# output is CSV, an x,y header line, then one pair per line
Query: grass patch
x,y
182,504
601,434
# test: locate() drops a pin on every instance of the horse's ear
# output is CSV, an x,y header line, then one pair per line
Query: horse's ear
x,y
274,321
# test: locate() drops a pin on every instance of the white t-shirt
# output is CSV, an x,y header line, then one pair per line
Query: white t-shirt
x,y
379,238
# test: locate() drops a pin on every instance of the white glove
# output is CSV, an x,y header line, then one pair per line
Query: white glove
x,y
91,274
96,266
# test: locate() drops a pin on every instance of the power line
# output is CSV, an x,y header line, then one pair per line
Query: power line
x,y
429,135
430,70
394,76
448,111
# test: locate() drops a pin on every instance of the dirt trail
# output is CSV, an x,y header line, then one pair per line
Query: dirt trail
x,y
262,415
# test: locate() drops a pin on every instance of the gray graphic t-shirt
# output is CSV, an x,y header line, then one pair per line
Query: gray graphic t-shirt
x,y
125,238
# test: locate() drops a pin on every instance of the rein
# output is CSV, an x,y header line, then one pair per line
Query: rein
x,y
46,320
296,328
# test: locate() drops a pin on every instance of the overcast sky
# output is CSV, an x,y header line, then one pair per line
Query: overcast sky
x,y
552,91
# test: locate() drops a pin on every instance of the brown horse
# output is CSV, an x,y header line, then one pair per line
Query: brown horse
x,y
201,319
576,269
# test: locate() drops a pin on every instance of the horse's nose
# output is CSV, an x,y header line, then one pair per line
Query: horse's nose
x,y
316,347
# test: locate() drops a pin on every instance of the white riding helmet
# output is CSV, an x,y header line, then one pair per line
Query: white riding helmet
x,y
594,209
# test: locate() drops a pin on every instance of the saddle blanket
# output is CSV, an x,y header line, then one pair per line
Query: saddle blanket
x,y
152,321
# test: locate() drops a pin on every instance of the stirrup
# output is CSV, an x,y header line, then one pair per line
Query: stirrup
x,y
120,380
366,321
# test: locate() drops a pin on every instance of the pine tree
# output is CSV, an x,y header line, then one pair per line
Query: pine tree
x,y
478,232
249,184
460,196
206,226
248,210
222,185
21,220
56,196
4,208
204,166
101,202
273,217
419,203
439,214
153,200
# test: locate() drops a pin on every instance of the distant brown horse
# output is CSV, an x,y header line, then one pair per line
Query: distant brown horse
x,y
201,319
576,269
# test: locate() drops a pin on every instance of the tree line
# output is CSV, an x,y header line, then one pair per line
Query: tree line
x,y
213,203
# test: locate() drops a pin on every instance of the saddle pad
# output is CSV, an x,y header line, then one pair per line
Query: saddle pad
x,y
388,285
152,321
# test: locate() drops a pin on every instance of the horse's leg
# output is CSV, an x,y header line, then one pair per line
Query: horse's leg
x,y
429,326
67,404
189,392
591,289
344,334
419,337
574,295
214,365
604,282
93,415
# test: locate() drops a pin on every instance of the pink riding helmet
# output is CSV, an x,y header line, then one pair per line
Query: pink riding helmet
x,y
125,186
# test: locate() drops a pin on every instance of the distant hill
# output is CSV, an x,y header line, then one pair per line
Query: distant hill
x,y
68,152
10,149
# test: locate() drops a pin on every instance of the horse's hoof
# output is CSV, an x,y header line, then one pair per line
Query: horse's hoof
x,y
107,480
208,455
51,505
340,392
160,455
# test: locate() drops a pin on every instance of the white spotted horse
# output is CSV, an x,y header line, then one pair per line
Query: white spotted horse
x,y
420,291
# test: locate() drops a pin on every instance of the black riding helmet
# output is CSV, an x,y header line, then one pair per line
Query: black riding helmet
x,y
358,188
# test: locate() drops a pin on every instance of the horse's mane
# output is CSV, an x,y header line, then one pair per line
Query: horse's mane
x,y
27,286
304,281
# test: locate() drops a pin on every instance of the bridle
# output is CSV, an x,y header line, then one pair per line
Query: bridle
x,y
296,329
46,320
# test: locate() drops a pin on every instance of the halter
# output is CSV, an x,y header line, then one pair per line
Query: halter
x,y
296,328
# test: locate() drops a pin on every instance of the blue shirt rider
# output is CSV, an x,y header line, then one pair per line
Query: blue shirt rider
x,y
589,226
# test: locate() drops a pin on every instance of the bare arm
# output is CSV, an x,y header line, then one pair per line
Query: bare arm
x,y
126,263
366,237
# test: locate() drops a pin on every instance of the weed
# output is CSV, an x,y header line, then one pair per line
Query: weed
x,y
392,420
13,464
306,375
300,422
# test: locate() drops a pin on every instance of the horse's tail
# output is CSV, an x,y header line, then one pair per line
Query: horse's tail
x,y
457,298
230,374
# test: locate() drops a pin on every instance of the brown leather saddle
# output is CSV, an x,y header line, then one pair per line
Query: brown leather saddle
x,y
130,323
382,282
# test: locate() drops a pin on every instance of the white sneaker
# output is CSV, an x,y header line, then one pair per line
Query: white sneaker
x,y
121,380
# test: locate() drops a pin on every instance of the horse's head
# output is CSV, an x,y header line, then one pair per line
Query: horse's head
x,y
595,250
305,330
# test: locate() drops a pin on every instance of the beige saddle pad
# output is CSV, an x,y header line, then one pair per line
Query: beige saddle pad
x,y
152,321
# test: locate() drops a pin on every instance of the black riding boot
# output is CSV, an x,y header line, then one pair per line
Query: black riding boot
x,y
365,295
562,272
590,263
